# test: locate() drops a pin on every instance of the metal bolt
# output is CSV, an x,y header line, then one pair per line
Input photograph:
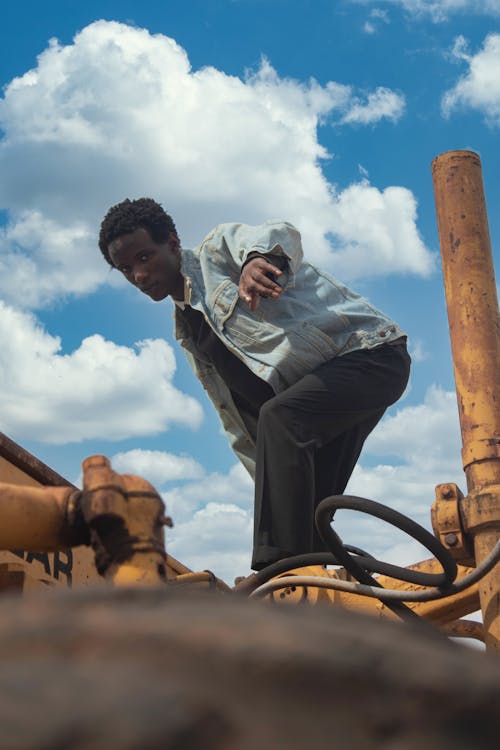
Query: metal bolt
x,y
451,539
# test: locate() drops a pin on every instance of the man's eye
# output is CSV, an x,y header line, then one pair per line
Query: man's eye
x,y
144,257
125,270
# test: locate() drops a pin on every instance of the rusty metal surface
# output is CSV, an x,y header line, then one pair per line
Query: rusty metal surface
x,y
481,509
36,518
37,521
126,516
474,322
29,464
472,305
41,569
448,525
204,580
438,611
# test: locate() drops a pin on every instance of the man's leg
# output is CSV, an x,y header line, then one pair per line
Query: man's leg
x,y
335,463
334,407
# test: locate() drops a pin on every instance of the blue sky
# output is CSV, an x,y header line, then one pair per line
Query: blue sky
x,y
324,113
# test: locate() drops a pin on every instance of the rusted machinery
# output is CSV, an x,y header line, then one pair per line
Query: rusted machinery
x,y
474,323
45,539
122,517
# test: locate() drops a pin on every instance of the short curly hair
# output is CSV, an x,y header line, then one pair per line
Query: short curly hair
x,y
128,216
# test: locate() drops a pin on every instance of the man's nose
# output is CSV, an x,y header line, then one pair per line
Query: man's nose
x,y
140,275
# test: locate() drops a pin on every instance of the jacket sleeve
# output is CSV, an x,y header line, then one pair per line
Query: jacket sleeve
x,y
220,395
277,238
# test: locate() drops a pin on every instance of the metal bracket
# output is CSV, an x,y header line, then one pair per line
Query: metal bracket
x,y
447,523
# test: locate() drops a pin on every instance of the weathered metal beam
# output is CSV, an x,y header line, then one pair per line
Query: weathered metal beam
x,y
13,455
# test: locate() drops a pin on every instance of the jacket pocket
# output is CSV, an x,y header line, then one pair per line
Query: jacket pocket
x,y
313,338
223,301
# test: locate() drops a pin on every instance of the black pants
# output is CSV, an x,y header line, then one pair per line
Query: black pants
x,y
309,438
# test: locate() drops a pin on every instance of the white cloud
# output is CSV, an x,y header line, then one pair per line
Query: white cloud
x,y
121,113
379,104
213,523
440,10
235,488
157,467
375,18
97,391
41,260
218,538
479,88
427,435
375,227
418,352
380,15
421,447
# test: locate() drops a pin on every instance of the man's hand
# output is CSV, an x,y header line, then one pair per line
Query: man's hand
x,y
255,282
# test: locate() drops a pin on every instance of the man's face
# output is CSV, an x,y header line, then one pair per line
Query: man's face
x,y
152,267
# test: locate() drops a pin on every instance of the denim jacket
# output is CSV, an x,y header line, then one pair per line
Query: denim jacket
x,y
314,319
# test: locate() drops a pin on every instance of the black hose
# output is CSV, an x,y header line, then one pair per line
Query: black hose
x,y
303,561
358,562
323,517
329,505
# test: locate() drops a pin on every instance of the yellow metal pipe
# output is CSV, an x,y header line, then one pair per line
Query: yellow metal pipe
x,y
465,629
36,518
475,341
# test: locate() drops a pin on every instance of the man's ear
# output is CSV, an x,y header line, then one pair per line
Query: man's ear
x,y
174,242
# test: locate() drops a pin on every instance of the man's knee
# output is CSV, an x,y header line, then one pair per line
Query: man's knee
x,y
272,410
278,414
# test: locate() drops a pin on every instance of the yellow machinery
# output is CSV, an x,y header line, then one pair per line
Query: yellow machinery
x,y
48,524
43,540
474,322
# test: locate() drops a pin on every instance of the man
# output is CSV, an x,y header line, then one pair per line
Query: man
x,y
299,368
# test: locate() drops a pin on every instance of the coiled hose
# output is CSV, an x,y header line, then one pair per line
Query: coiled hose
x,y
360,564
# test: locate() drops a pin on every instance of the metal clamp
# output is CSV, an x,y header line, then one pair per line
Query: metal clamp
x,y
447,523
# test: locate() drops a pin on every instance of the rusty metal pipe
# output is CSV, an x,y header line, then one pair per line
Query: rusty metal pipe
x,y
39,519
125,516
474,323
